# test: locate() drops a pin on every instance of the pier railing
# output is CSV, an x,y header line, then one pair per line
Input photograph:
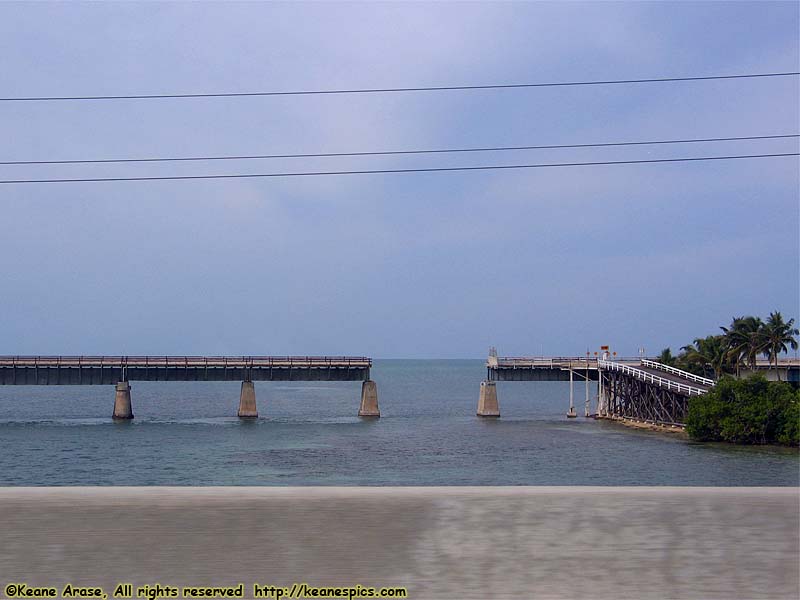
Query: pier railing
x,y
680,372
551,362
689,390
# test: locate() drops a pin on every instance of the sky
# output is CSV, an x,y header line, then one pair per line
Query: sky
x,y
423,265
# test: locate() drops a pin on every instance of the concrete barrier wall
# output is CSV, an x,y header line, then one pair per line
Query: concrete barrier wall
x,y
509,542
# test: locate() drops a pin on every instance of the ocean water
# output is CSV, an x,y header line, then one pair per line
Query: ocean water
x,y
186,433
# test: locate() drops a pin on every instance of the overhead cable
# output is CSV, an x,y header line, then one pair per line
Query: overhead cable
x,y
390,152
388,171
438,88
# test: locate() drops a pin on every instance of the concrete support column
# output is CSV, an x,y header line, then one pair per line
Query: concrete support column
x,y
587,391
601,396
247,401
122,401
571,414
487,401
369,400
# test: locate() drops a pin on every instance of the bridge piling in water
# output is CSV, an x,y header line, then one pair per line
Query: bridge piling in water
x,y
601,399
369,400
247,401
122,401
586,379
487,400
571,414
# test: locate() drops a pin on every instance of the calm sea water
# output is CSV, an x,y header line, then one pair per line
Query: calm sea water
x,y
308,434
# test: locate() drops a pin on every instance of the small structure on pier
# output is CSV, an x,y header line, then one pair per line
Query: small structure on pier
x,y
121,370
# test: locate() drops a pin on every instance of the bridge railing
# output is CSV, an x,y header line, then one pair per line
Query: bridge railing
x,y
186,361
785,362
553,362
680,372
690,390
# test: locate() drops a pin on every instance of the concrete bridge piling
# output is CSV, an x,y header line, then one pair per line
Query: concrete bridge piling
x,y
369,400
122,401
247,401
571,414
487,401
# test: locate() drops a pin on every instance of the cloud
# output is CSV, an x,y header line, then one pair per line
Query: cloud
x,y
424,264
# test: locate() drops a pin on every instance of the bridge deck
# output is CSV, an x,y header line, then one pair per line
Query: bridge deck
x,y
673,377
543,368
90,370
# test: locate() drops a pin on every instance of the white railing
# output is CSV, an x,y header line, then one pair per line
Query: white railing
x,y
680,372
650,378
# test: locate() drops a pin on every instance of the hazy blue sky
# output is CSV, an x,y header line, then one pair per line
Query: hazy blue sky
x,y
420,265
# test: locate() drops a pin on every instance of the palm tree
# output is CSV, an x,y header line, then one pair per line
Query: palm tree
x,y
707,353
778,337
666,358
745,341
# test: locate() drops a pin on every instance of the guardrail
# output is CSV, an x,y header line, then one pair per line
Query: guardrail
x,y
649,377
680,372
186,361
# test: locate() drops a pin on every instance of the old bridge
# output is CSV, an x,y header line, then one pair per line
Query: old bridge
x,y
630,388
121,370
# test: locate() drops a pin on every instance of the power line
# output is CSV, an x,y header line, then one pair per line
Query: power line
x,y
441,88
385,171
391,152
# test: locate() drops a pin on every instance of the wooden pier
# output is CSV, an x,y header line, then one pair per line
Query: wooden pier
x,y
630,388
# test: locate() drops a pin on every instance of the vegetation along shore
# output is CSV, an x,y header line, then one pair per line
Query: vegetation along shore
x,y
742,410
